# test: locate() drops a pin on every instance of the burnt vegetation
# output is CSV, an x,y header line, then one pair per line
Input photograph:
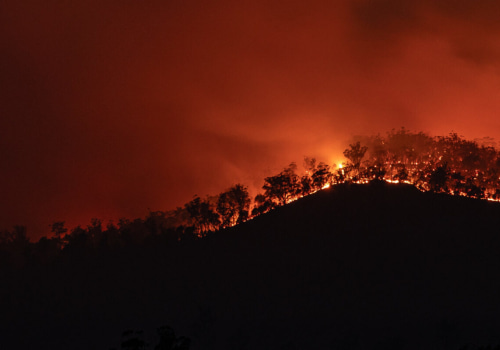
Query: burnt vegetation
x,y
392,250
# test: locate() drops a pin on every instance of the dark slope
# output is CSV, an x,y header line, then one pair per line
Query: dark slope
x,y
352,267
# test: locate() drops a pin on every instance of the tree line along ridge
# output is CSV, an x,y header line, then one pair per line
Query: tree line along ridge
x,y
441,164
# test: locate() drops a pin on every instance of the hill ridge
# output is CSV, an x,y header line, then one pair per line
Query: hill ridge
x,y
378,266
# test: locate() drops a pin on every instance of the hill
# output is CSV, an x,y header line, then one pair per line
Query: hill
x,y
375,266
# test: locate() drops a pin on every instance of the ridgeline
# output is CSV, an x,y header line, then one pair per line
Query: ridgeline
x,y
375,266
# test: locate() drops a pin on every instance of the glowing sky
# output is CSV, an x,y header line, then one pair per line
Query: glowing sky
x,y
108,108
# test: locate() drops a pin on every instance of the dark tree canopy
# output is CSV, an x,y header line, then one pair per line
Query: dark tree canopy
x,y
204,215
233,205
355,154
321,175
445,164
283,187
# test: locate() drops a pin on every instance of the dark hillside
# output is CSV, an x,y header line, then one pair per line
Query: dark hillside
x,y
353,267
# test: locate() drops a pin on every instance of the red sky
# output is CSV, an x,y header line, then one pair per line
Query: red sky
x,y
108,108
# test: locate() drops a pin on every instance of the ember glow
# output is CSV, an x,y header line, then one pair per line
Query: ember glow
x,y
110,109
443,164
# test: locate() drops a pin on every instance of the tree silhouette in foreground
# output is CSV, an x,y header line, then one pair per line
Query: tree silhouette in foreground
x,y
233,205
283,187
134,340
438,179
168,340
355,154
204,214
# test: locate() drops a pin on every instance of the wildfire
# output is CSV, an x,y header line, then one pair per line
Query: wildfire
x,y
438,166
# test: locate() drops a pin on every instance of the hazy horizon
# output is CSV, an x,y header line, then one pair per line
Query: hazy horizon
x,y
111,108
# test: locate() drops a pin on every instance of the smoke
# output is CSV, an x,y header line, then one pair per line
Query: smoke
x,y
111,108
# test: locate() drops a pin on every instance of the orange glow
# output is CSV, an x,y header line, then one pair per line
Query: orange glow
x,y
109,109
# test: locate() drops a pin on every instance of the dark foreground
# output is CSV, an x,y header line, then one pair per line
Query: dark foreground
x,y
353,267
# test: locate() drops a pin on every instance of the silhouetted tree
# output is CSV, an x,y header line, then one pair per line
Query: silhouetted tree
x,y
133,340
204,215
355,154
19,238
321,175
78,242
438,179
46,249
306,185
339,175
283,187
58,229
132,232
156,222
233,205
94,232
377,150
168,340
262,205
